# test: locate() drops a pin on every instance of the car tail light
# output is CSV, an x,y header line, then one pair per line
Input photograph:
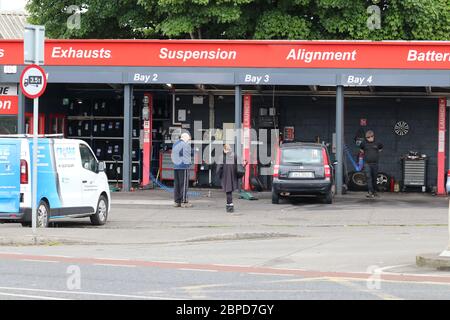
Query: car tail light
x,y
276,168
23,172
326,165
448,173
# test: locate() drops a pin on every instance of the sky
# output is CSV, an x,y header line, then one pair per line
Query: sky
x,y
12,5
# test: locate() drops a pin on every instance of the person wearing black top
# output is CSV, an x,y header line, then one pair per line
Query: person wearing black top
x,y
371,151
227,173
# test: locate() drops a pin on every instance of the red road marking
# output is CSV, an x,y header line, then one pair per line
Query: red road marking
x,y
230,268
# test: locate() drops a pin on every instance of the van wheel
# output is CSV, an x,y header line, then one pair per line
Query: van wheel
x,y
42,215
100,217
275,198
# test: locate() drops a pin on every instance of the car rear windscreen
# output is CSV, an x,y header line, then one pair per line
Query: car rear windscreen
x,y
301,156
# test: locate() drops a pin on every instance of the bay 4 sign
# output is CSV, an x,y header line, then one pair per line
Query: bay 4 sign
x,y
33,81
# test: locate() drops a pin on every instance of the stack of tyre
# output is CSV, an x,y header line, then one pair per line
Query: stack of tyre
x,y
358,182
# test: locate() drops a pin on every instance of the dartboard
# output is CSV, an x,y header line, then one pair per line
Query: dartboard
x,y
401,128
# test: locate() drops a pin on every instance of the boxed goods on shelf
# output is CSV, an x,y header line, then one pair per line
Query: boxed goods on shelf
x,y
115,172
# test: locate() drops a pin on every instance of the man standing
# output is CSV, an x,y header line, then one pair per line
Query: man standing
x,y
371,150
181,157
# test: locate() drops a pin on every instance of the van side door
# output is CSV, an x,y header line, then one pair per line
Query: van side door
x,y
89,177
67,158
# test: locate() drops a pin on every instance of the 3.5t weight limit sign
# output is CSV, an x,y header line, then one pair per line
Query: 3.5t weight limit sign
x,y
33,81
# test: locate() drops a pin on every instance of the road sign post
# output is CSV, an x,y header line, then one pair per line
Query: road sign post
x,y
34,44
33,83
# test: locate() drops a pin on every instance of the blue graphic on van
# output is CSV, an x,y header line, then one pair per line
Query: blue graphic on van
x,y
47,175
66,153
9,176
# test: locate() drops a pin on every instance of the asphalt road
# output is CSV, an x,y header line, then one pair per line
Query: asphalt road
x,y
31,279
353,249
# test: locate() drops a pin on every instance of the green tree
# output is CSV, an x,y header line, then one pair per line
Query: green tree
x,y
98,18
248,19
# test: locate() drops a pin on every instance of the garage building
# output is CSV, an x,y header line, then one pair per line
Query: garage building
x,y
326,91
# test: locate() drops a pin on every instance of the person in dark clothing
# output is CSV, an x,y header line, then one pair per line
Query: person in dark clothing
x,y
181,157
371,152
227,173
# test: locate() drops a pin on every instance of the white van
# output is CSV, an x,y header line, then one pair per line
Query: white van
x,y
71,182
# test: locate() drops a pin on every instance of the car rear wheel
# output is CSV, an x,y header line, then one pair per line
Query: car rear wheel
x,y
100,217
275,198
328,198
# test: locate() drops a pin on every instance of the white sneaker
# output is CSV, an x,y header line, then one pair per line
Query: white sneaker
x,y
186,205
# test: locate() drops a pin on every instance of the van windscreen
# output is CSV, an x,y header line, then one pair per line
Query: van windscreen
x,y
301,156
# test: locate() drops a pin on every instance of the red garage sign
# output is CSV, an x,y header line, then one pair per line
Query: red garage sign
x,y
233,53
262,54
441,145
9,105
247,125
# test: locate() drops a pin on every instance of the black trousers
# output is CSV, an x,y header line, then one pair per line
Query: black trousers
x,y
181,184
229,197
371,171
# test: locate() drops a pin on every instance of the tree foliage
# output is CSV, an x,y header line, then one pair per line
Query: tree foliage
x,y
247,19
98,18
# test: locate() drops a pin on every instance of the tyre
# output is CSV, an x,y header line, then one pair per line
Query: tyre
x,y
383,182
101,215
358,181
257,184
328,198
42,215
275,198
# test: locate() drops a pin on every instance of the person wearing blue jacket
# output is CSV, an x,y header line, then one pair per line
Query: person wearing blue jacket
x,y
181,157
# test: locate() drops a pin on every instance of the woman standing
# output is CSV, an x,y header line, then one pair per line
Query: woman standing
x,y
227,173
